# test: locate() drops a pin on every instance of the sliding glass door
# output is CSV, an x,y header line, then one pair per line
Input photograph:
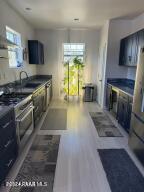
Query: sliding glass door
x,y
73,69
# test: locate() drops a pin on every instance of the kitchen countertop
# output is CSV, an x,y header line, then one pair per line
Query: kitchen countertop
x,y
124,85
40,81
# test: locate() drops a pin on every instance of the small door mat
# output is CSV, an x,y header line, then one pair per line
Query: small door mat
x,y
104,125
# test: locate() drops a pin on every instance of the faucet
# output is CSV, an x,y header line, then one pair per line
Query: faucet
x,y
21,76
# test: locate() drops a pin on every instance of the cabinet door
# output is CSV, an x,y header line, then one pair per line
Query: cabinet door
x,y
122,114
128,53
140,39
129,49
108,97
134,49
36,52
122,55
129,116
33,52
41,53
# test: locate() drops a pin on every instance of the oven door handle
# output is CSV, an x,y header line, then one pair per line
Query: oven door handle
x,y
23,118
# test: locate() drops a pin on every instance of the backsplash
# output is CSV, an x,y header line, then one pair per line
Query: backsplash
x,y
131,74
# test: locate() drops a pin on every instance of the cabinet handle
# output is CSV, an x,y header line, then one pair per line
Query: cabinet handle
x,y
130,58
36,109
9,163
6,125
8,143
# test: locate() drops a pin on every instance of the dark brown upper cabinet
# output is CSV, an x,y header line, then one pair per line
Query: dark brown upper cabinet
x,y
129,47
36,52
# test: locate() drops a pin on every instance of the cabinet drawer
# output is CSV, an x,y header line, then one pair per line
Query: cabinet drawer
x,y
6,142
5,121
7,134
7,160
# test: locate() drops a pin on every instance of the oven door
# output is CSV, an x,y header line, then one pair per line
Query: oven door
x,y
25,124
48,95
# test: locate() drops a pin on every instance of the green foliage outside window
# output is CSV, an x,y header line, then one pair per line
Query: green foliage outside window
x,y
73,76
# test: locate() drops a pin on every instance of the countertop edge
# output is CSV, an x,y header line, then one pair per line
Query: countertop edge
x,y
121,90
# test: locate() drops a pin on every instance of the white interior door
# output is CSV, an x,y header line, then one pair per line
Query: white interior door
x,y
101,75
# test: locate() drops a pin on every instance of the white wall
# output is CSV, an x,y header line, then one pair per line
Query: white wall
x,y
8,17
53,40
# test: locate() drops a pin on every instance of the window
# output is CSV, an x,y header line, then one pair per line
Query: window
x,y
15,54
73,50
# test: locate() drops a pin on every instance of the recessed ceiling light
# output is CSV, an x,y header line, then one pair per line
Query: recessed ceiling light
x,y
76,19
28,9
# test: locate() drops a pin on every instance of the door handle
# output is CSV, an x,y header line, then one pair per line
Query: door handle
x,y
9,163
130,58
8,143
6,125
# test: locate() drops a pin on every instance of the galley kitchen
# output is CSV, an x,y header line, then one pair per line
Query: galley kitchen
x,y
71,96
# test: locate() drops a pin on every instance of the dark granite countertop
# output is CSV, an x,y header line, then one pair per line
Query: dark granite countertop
x,y
41,80
124,85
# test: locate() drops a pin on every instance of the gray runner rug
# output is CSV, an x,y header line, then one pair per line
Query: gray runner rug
x,y
39,165
121,172
56,119
104,125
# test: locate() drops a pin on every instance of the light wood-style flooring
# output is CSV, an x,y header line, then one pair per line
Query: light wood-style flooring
x,y
79,168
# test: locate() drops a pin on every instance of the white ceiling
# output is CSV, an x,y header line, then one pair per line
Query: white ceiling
x,y
61,13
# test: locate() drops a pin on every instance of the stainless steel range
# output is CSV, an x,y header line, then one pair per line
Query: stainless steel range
x,y
23,107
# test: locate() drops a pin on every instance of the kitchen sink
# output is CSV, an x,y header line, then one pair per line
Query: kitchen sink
x,y
31,85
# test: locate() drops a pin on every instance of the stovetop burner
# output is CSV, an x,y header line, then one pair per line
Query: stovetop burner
x,y
11,99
